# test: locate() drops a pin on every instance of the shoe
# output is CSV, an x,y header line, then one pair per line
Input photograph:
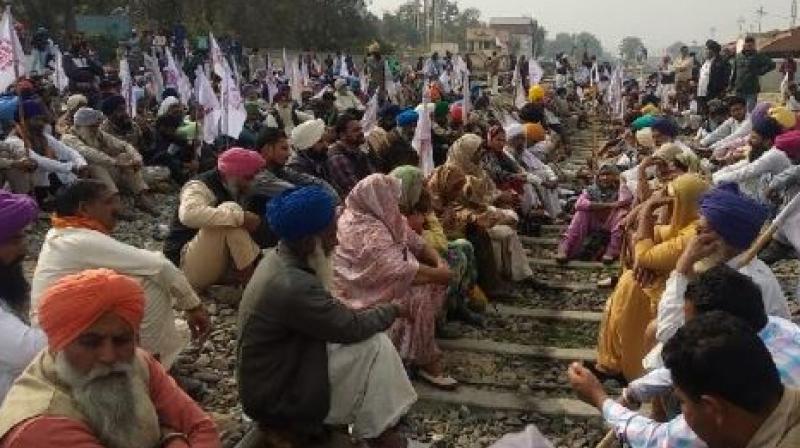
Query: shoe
x,y
440,382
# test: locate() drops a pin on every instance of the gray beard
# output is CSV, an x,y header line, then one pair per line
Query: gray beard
x,y
113,402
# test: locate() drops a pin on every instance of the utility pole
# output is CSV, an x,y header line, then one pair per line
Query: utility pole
x,y
794,13
741,23
760,13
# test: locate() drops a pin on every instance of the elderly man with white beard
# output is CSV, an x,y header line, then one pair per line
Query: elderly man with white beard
x,y
111,160
730,223
92,387
305,361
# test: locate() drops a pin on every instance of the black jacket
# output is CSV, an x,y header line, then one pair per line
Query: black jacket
x,y
286,320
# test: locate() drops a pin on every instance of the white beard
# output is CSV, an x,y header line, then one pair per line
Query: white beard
x,y
716,259
114,402
322,266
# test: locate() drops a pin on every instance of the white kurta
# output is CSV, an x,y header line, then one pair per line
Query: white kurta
x,y
19,344
68,251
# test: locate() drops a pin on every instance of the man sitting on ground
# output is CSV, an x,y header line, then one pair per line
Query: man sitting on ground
x,y
81,239
92,387
111,160
347,162
726,405
719,289
19,343
210,231
325,363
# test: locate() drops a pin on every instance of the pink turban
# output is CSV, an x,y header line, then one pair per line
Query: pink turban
x,y
789,142
72,304
240,162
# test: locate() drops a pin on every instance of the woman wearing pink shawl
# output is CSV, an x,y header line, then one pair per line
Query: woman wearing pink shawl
x,y
381,259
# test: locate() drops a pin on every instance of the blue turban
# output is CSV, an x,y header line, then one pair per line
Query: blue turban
x,y
301,212
645,121
665,126
407,117
389,111
30,108
733,216
767,127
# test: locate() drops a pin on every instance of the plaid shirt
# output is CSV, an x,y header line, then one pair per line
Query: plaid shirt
x,y
346,168
782,339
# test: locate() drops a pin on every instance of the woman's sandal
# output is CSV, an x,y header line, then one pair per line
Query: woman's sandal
x,y
439,382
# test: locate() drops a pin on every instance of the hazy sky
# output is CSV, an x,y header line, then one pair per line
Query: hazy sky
x,y
659,23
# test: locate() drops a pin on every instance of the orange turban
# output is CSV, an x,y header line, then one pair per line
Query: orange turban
x,y
534,132
75,302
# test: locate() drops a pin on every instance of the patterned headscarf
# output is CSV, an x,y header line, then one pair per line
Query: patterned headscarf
x,y
378,196
412,182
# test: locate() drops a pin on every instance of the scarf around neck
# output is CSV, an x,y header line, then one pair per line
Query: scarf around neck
x,y
78,222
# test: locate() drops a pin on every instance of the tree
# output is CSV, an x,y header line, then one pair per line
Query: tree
x,y
630,48
574,45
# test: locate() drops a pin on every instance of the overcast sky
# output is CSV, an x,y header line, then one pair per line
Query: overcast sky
x,y
659,23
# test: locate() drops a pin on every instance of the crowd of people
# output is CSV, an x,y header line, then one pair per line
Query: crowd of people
x,y
354,254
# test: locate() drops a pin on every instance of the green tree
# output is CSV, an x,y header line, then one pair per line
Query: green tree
x,y
630,48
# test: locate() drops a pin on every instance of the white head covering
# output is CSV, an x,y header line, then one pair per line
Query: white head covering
x,y
86,116
166,104
514,130
307,134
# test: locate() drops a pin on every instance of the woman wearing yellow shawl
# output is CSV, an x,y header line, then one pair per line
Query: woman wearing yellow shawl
x,y
634,302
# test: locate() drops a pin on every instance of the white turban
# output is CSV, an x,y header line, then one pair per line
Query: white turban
x,y
86,116
307,134
514,130
166,104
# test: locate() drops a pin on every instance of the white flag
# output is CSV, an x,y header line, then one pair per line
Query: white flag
x,y
233,113
127,86
391,87
520,98
60,79
175,77
422,142
218,61
467,105
370,119
344,71
12,58
295,81
157,81
535,71
208,100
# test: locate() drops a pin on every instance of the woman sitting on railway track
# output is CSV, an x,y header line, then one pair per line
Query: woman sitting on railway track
x,y
596,226
634,302
480,200
380,259
415,204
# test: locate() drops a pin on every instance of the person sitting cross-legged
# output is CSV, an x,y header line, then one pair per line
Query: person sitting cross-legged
x,y
81,239
211,232
303,358
92,387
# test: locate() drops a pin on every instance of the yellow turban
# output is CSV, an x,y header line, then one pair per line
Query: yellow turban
x,y
784,117
650,109
536,93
